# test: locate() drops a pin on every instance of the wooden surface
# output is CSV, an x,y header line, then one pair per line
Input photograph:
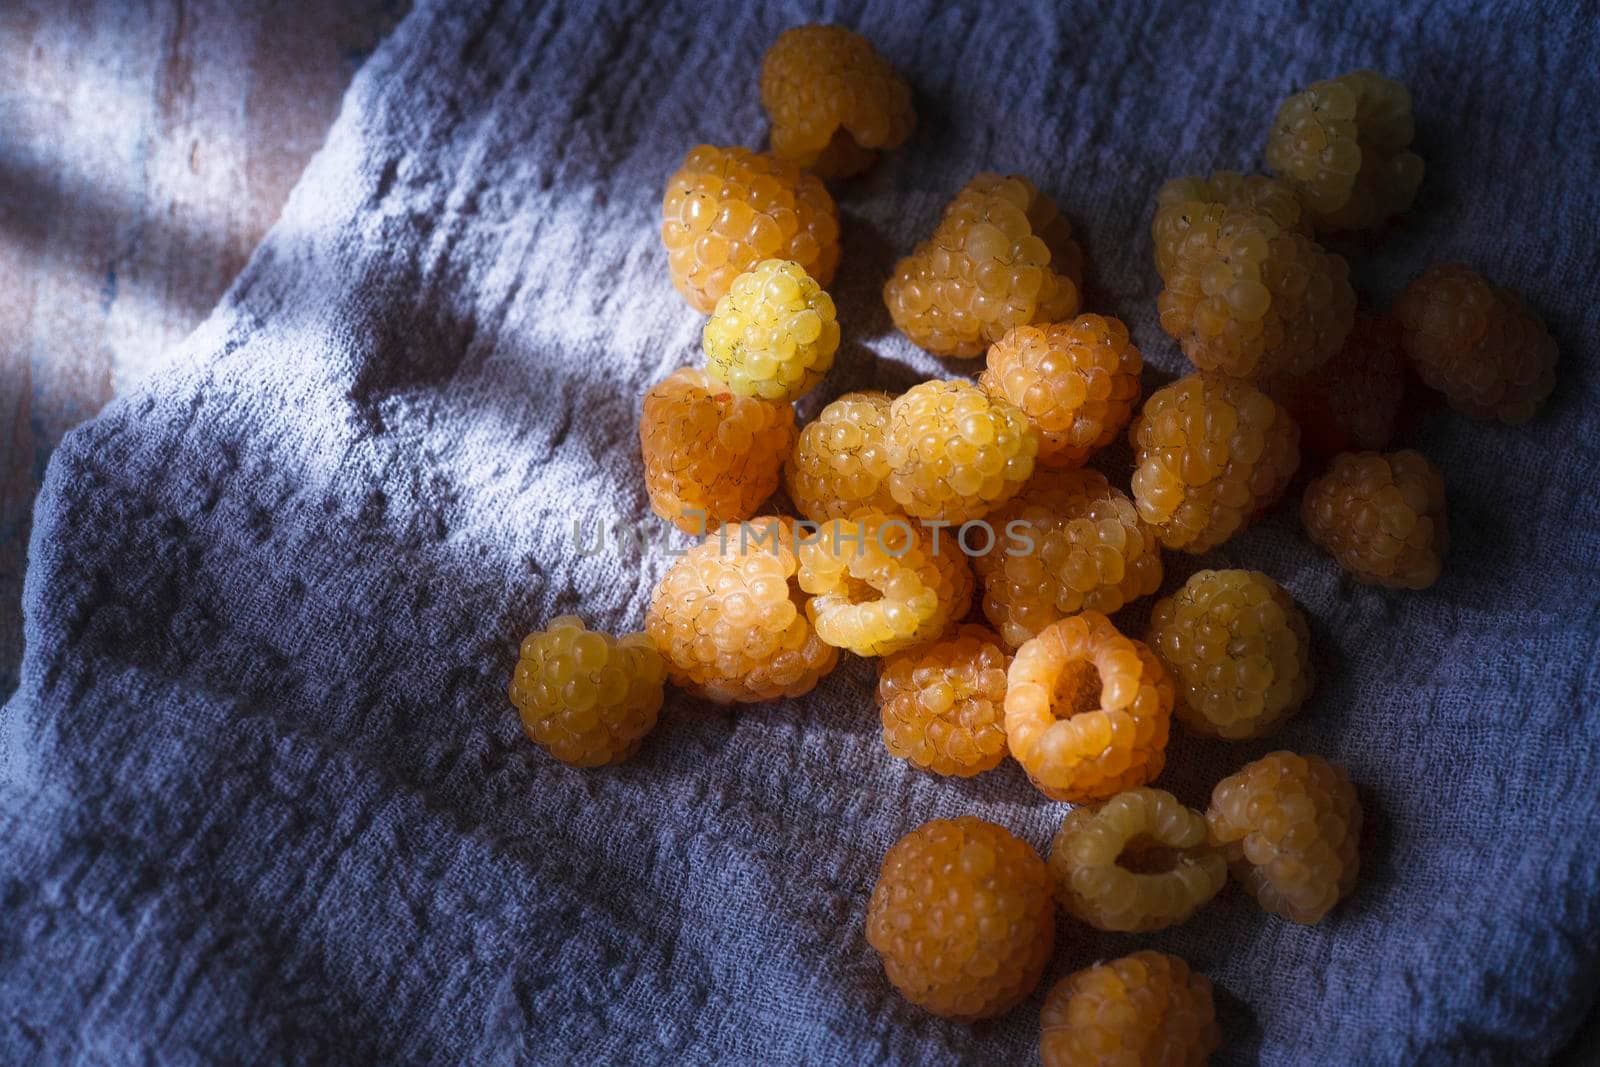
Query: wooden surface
x,y
145,147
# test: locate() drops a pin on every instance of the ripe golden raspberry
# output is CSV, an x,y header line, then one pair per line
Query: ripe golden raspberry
x,y
1087,710
1238,649
1002,256
1144,1010
773,334
1352,401
710,457
588,698
1249,298
1183,201
1089,549
1476,343
1076,382
1212,454
1342,144
962,918
728,617
878,585
1291,828
956,453
840,464
943,704
727,209
833,101
1139,861
1382,517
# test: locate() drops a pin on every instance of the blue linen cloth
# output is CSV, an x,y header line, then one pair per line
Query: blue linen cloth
x,y
262,797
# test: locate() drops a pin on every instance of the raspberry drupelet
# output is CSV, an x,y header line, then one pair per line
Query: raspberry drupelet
x,y
1077,382
710,457
1476,343
1182,202
1381,517
1344,146
729,617
1089,549
962,918
833,101
878,584
840,464
943,704
727,209
955,452
1144,1010
1238,649
1352,401
1139,861
773,334
1247,297
1212,453
1002,256
588,698
1291,829
1087,710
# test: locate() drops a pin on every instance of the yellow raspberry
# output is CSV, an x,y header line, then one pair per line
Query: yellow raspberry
x,y
1291,829
727,209
1382,517
956,453
773,335
834,102
1212,453
962,919
943,704
1238,649
1352,401
840,464
878,584
1089,549
1077,382
1139,861
1144,1010
1182,202
1087,710
1249,298
1002,256
710,457
1343,144
1476,343
727,617
588,698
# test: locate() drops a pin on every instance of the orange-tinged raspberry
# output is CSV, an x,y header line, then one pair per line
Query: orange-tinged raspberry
x,y
834,102
1239,650
1382,517
943,704
1352,401
1077,382
1476,343
1247,297
1087,710
589,698
1212,454
1144,1010
727,209
962,918
773,334
1182,202
956,453
878,585
1343,144
728,617
710,457
840,464
1089,549
1139,861
1002,256
1291,828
